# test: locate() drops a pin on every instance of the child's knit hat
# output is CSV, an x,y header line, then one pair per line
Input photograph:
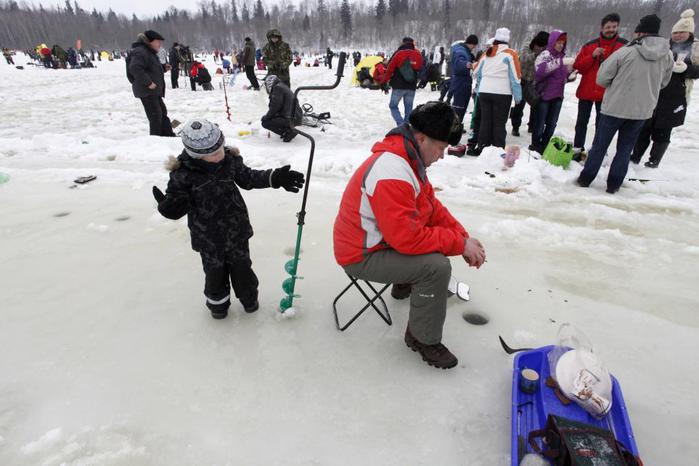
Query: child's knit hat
x,y
201,138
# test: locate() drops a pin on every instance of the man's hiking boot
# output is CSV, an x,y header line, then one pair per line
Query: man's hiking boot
x,y
401,291
435,355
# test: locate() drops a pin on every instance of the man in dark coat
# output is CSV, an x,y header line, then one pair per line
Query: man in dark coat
x,y
203,185
249,63
329,58
283,109
174,59
147,77
673,99
462,62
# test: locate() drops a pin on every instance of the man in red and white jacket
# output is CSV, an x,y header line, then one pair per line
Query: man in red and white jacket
x,y
587,63
392,229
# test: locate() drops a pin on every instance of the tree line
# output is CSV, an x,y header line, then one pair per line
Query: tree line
x,y
312,25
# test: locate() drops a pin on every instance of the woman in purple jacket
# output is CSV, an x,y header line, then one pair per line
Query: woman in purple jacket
x,y
551,72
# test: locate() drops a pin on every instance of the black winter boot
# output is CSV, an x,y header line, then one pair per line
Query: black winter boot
x,y
640,148
656,154
435,355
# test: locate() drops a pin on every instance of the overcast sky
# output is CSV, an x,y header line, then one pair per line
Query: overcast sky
x,y
141,8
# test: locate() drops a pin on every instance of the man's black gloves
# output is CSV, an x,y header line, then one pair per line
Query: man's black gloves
x,y
288,179
158,194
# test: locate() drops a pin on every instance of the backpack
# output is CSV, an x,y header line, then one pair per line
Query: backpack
x,y
407,72
530,94
572,443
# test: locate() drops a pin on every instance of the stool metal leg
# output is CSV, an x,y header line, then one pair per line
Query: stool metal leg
x,y
385,315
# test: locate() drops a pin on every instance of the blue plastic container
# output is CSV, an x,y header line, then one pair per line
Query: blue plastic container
x,y
530,411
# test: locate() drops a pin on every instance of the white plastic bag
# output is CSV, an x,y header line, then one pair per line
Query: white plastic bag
x,y
580,373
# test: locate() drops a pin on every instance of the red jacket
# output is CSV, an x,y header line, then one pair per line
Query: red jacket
x,y
389,204
195,69
379,72
588,66
406,52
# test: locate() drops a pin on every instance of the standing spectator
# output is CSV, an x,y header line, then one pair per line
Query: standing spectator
x,y
497,83
146,74
551,72
587,63
674,99
329,57
174,58
462,62
526,60
277,56
633,77
402,71
249,63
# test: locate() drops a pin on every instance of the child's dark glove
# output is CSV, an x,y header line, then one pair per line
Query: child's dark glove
x,y
288,179
158,194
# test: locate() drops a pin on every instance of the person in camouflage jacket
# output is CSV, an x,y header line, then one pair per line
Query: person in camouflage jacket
x,y
277,56
204,181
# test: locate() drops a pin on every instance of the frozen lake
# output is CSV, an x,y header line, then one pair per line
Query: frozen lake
x,y
108,355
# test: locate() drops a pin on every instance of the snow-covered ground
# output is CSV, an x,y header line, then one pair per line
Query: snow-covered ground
x,y
108,355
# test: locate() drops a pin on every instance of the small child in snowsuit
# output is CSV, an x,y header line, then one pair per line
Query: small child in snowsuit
x,y
204,181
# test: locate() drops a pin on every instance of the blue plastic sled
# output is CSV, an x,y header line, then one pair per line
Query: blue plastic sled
x,y
529,411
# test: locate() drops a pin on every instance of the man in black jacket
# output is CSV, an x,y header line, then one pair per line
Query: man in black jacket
x,y
174,59
147,77
283,109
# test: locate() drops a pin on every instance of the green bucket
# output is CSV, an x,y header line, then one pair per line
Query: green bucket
x,y
558,152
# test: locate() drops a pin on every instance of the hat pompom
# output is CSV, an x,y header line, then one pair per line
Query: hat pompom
x,y
688,13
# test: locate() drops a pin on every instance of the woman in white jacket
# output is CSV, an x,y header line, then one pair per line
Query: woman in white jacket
x,y
498,77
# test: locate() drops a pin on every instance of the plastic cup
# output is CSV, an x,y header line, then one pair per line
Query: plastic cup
x,y
528,380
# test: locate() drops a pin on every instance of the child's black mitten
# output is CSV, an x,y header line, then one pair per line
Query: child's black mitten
x,y
288,179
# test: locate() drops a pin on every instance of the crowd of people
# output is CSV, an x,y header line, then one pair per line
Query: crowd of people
x,y
390,226
497,76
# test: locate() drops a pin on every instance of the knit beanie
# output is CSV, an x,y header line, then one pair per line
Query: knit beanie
x,y
649,24
438,121
541,39
201,138
502,35
472,39
686,22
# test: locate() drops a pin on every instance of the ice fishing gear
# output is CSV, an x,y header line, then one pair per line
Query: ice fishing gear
x,y
225,95
314,119
291,266
509,350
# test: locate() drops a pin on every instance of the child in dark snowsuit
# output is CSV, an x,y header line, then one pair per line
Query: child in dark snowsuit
x,y
204,181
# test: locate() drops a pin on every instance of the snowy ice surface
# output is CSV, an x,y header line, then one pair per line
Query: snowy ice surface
x,y
108,355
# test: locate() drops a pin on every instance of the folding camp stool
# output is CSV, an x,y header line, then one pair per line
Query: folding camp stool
x,y
385,316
